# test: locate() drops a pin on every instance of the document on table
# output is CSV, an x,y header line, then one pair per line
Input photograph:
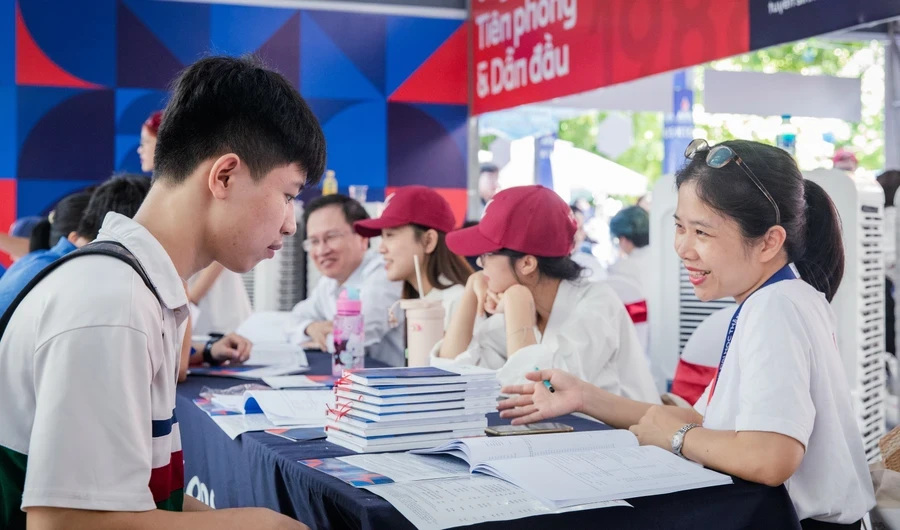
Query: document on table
x,y
271,354
237,425
569,479
297,381
290,407
448,503
407,467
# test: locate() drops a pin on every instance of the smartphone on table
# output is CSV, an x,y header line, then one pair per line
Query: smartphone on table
x,y
534,428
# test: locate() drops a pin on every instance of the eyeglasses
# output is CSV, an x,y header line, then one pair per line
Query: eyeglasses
x,y
329,240
719,156
480,259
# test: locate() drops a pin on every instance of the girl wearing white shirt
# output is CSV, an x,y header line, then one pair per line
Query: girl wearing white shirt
x,y
779,410
415,222
544,314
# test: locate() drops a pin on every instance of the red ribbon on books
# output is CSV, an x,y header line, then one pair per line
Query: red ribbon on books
x,y
339,412
340,382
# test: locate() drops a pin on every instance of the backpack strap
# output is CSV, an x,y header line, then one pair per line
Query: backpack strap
x,y
112,249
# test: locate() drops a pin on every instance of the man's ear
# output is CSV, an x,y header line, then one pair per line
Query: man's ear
x,y
221,174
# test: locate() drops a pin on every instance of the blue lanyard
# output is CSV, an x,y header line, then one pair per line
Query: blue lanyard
x,y
785,273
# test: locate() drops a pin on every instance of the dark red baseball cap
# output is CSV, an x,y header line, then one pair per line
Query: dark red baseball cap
x,y
529,219
419,205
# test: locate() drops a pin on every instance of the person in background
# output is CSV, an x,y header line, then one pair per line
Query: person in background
x,y
631,227
344,259
219,298
39,239
488,186
147,147
582,254
544,314
98,365
415,222
779,410
845,159
645,202
17,242
66,238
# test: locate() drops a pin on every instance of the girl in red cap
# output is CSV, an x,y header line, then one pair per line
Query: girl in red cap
x,y
147,147
779,410
544,314
415,222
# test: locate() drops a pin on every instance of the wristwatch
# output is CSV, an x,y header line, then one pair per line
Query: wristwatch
x,y
678,439
207,349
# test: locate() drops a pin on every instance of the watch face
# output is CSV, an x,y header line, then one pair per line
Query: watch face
x,y
676,442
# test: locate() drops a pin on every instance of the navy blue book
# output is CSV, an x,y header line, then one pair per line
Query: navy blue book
x,y
425,375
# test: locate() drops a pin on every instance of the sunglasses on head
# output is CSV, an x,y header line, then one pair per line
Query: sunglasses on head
x,y
719,156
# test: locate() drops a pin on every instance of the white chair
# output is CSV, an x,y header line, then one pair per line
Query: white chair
x,y
635,301
700,357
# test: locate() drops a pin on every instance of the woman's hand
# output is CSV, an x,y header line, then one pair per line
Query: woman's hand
x,y
535,402
660,424
477,284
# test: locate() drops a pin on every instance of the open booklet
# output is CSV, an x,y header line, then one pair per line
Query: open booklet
x,y
281,407
569,469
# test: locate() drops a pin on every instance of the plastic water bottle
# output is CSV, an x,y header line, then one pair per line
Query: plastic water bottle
x,y
349,333
330,183
787,136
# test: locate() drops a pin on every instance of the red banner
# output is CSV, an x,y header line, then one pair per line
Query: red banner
x,y
528,51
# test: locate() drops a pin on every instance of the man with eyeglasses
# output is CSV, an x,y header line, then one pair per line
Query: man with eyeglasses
x,y
344,260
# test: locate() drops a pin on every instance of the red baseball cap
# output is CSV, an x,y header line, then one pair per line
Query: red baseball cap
x,y
842,155
419,205
530,219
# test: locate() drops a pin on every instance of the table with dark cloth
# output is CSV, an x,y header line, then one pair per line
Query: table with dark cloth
x,y
259,469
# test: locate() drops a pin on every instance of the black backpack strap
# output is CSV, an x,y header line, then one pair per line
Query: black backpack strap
x,y
112,249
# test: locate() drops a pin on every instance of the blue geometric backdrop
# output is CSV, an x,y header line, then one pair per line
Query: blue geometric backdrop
x,y
77,81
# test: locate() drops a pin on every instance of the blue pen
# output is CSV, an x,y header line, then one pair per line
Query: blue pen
x,y
546,382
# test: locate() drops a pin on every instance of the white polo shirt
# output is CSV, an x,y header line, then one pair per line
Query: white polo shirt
x,y
383,342
88,367
783,374
589,335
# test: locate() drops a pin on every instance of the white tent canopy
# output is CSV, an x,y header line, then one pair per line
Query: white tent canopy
x,y
573,169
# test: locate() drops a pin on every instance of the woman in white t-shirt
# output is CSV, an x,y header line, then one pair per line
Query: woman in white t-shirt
x,y
544,314
415,222
779,409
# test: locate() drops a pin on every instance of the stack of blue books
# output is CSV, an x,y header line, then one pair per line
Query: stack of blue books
x,y
398,409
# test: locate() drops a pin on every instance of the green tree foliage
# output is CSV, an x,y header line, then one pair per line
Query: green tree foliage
x,y
810,57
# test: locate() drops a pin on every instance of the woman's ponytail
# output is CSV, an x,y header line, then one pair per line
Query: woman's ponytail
x,y
822,261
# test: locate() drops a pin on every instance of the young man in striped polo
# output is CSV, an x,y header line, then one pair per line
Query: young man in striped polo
x,y
89,360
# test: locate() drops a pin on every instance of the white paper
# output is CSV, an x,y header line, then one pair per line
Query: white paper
x,y
270,354
569,479
229,402
266,327
488,449
236,425
293,407
269,371
407,467
448,503
291,381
